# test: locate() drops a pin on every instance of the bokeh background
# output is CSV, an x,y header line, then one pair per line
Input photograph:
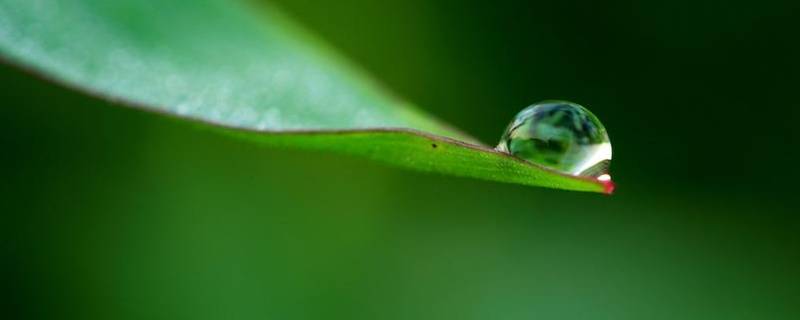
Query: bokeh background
x,y
111,213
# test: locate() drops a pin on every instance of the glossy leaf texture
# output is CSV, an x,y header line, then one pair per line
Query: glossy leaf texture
x,y
245,70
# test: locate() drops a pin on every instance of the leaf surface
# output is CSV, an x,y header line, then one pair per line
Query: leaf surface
x,y
246,71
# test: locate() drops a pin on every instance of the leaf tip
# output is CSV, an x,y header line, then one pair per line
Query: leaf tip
x,y
608,186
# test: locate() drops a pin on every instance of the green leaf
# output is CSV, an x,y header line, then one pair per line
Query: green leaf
x,y
246,71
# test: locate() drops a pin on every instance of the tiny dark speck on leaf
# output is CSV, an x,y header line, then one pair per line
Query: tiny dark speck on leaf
x,y
433,145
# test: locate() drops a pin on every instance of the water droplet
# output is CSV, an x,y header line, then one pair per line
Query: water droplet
x,y
560,135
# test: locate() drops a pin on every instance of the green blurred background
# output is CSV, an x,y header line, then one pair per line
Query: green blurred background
x,y
110,213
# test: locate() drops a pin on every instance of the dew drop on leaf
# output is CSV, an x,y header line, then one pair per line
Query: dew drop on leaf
x,y
560,135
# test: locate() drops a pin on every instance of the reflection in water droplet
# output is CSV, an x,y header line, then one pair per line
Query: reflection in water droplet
x,y
560,135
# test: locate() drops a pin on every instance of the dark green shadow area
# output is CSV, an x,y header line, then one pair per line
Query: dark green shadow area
x,y
115,213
